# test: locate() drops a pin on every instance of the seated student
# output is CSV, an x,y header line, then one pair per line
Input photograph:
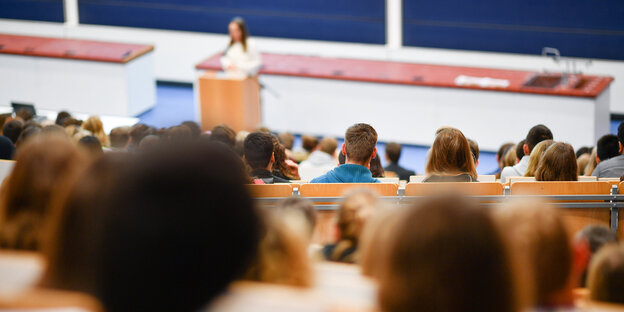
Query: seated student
x,y
259,156
606,275
94,125
352,214
359,148
595,236
474,149
450,159
536,155
283,167
224,134
581,163
592,163
557,164
607,148
12,130
537,134
500,155
375,167
614,167
119,138
320,161
308,144
446,255
393,153
548,265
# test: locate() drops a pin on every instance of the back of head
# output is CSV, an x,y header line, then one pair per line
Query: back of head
x,y
501,150
44,165
581,163
620,132
138,132
353,212
7,149
287,139
450,155
606,275
12,130
538,237
182,216
446,255
360,142
583,150
509,156
329,145
119,137
258,147
309,143
376,168
393,151
95,126
537,134
607,147
474,149
195,128
24,113
60,117
520,150
223,134
536,156
558,163
179,134
91,145
597,236
303,206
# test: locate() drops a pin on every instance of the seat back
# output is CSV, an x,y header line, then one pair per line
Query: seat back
x,y
575,218
20,269
338,189
6,167
394,180
486,178
587,178
512,180
417,178
270,190
464,188
48,299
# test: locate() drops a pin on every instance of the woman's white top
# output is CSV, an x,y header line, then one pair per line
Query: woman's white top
x,y
247,62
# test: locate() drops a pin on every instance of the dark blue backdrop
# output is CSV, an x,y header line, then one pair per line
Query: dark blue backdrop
x,y
582,28
36,10
334,20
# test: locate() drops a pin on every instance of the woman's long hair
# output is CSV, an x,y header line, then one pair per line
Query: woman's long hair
x,y
450,154
240,22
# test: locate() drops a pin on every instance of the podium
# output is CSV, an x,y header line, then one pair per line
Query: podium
x,y
234,101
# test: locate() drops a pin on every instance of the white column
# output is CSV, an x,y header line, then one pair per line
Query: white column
x,y
71,12
394,24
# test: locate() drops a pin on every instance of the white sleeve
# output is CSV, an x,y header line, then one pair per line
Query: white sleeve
x,y
252,64
225,60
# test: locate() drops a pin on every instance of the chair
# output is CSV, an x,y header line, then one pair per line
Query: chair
x,y
416,179
6,166
587,178
576,218
260,297
394,180
270,190
47,299
512,180
20,269
486,178
464,188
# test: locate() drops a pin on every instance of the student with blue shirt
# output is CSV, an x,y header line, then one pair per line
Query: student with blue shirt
x,y
359,148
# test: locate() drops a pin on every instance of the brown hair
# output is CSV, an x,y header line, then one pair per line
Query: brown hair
x,y
538,237
309,143
393,151
474,149
329,145
376,168
301,205
581,163
375,239
536,155
445,254
352,215
589,169
606,274
224,134
450,155
44,165
360,141
240,22
95,126
509,158
279,166
558,163
119,137
287,139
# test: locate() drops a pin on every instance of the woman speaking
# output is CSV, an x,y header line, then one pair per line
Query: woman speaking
x,y
241,56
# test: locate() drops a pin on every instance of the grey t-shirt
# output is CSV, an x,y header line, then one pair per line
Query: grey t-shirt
x,y
610,168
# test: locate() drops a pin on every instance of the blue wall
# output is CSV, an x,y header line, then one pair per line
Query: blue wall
x,y
581,28
334,20
36,10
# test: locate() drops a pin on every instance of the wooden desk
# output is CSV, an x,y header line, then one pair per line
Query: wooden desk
x,y
234,101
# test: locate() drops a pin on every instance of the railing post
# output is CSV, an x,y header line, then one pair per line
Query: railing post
x,y
614,210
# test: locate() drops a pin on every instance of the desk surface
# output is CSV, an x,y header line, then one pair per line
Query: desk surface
x,y
412,74
72,49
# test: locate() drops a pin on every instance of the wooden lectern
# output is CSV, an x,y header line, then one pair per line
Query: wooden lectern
x,y
234,101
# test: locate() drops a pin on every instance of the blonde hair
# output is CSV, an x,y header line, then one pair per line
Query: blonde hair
x,y
95,126
536,154
510,157
589,169
282,254
375,240
581,163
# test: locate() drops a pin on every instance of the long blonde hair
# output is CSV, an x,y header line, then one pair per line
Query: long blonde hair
x,y
95,126
536,154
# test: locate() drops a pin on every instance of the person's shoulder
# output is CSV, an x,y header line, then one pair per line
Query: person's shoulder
x,y
251,42
320,179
